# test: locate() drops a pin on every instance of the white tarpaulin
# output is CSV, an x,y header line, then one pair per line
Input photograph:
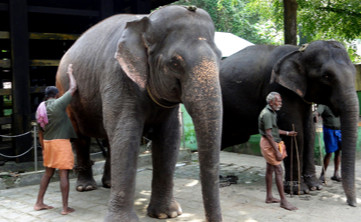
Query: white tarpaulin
x,y
229,43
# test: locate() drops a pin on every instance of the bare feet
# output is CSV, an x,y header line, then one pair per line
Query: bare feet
x,y
67,211
288,206
42,207
272,200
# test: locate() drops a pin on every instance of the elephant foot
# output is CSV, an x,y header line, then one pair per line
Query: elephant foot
x,y
295,187
312,182
86,185
121,216
162,211
85,180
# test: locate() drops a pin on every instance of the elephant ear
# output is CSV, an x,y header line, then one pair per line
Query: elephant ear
x,y
290,73
132,51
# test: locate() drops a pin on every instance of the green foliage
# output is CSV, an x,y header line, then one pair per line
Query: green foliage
x,y
331,19
244,18
339,19
261,21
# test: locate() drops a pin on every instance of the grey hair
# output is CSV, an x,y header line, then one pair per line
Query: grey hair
x,y
271,96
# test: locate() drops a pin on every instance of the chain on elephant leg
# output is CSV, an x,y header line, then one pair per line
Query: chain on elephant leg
x,y
296,187
312,182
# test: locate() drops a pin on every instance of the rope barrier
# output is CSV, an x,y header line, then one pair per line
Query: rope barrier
x,y
6,156
34,145
5,136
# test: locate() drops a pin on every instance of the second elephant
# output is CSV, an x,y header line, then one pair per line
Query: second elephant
x,y
320,72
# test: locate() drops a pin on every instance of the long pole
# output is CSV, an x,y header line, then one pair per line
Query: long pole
x,y
35,149
298,162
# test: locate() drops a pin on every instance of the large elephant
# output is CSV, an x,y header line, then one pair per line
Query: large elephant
x,y
132,73
319,72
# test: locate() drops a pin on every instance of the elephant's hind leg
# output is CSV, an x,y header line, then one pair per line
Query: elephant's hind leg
x,y
85,181
165,147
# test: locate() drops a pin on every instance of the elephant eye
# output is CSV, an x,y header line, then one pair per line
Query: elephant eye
x,y
175,62
327,75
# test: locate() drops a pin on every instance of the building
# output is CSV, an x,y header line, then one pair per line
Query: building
x,y
34,34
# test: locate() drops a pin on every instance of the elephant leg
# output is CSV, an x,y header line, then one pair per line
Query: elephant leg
x,y
309,170
124,138
85,181
106,175
165,148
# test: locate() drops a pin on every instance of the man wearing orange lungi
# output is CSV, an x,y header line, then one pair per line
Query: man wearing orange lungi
x,y
272,148
55,133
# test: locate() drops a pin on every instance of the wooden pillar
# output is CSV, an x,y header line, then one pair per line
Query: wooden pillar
x,y
106,8
20,70
141,6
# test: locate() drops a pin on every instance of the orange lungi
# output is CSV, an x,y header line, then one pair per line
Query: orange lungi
x,y
58,154
269,152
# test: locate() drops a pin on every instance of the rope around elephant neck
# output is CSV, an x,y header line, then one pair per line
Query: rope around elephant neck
x,y
158,103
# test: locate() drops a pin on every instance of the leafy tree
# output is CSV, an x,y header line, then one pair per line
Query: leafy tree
x,y
338,19
238,17
262,21
331,19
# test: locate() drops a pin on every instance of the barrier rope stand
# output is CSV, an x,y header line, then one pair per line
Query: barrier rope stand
x,y
35,146
35,149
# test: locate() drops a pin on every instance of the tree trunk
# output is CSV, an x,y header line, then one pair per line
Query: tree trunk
x,y
290,21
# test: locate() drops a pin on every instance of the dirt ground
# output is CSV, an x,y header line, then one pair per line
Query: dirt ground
x,y
241,202
244,201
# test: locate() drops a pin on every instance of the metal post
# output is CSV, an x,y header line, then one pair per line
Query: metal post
x,y
35,148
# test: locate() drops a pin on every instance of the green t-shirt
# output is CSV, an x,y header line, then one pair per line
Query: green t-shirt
x,y
59,126
268,120
329,120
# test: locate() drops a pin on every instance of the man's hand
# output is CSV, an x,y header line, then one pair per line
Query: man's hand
x,y
72,84
278,155
292,133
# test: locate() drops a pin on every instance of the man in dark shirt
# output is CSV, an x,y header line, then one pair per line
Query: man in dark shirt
x,y
273,148
332,139
54,136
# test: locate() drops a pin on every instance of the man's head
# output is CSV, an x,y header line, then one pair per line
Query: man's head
x,y
51,92
274,100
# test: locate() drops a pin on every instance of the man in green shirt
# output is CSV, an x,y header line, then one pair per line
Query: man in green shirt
x,y
54,136
273,148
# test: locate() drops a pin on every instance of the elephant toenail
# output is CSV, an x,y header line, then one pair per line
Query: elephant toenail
x,y
79,188
89,187
173,214
162,216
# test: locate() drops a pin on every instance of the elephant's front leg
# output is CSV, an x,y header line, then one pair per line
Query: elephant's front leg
x,y
165,147
309,170
85,181
124,139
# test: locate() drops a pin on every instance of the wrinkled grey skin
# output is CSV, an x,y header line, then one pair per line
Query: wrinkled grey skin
x,y
172,53
321,73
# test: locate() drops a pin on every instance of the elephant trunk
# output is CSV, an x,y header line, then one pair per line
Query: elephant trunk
x,y
349,125
203,101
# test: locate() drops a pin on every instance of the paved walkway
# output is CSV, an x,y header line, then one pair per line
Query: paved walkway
x,y
243,201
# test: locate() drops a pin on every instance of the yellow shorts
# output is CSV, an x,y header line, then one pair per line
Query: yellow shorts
x,y
269,152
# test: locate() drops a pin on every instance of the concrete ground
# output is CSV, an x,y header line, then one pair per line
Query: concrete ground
x,y
243,201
